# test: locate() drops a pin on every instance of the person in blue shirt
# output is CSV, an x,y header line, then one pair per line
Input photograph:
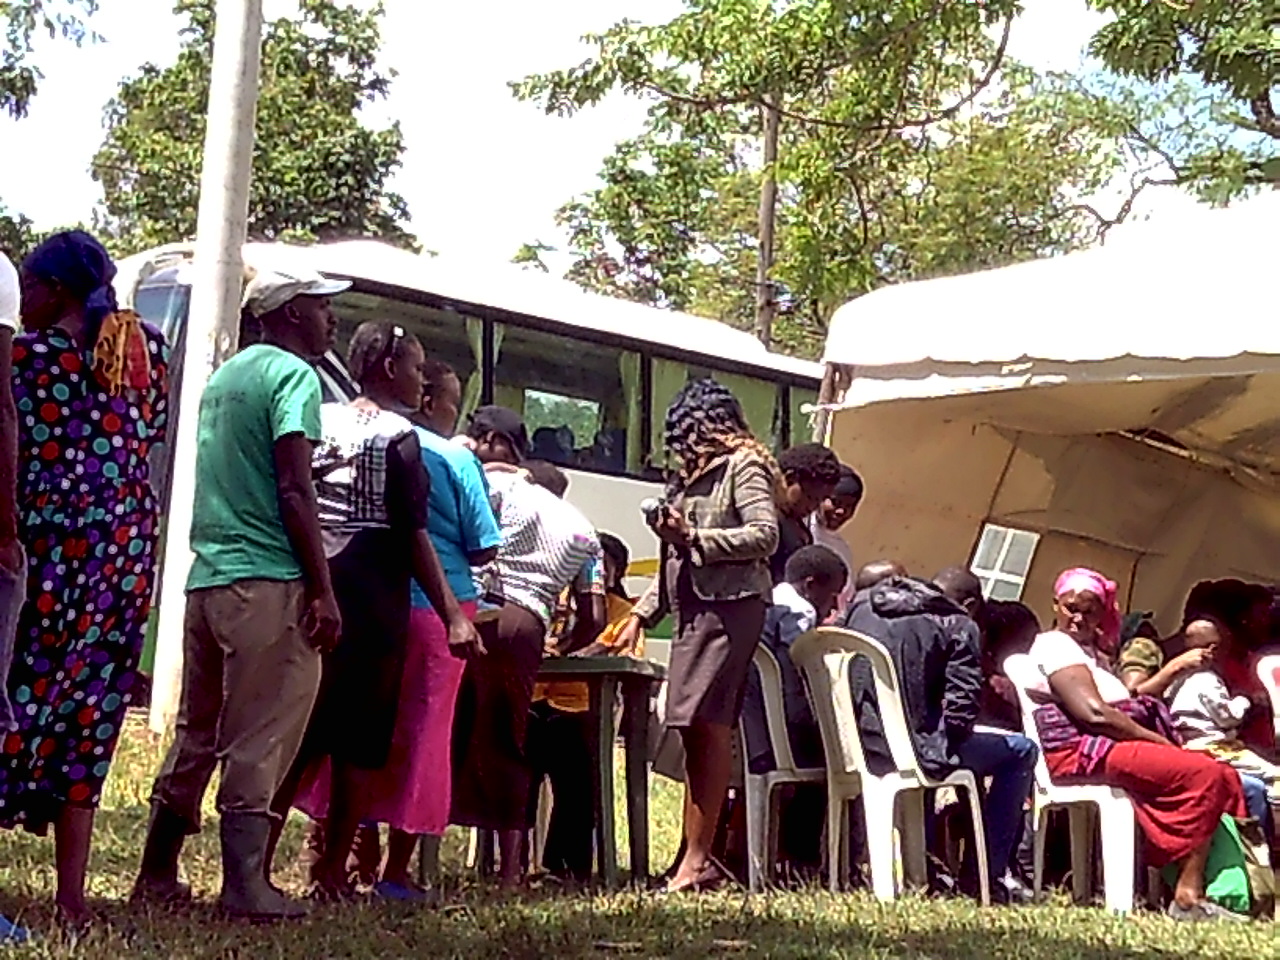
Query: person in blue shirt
x,y
413,794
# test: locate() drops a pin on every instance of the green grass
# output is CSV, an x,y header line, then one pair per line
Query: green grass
x,y
479,924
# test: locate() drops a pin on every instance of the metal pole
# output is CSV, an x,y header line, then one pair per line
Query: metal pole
x,y
766,298
213,321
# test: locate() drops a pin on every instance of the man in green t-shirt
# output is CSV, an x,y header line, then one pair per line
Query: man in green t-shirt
x,y
260,606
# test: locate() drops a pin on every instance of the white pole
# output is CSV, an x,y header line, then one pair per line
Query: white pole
x,y
213,321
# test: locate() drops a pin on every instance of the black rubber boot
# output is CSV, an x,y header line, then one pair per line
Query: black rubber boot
x,y
157,880
245,890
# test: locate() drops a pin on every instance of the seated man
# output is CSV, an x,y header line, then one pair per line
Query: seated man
x,y
814,579
930,632
815,576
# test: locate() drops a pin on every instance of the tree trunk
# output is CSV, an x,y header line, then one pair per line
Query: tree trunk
x,y
766,303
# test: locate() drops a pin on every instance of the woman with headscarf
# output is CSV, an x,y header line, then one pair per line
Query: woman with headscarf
x,y
718,527
91,388
1093,731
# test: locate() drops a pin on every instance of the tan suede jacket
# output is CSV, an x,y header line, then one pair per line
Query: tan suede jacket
x,y
732,513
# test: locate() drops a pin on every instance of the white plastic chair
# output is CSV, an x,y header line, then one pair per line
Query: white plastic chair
x,y
762,810
1112,806
1269,674
825,655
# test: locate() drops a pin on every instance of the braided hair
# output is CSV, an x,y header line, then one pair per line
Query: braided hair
x,y
704,422
374,343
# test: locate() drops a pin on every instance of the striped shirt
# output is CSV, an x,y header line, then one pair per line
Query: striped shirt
x,y
547,545
350,468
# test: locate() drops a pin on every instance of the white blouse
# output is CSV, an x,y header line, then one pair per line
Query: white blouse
x,y
1054,651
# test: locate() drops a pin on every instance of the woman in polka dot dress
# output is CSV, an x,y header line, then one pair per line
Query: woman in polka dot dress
x,y
90,386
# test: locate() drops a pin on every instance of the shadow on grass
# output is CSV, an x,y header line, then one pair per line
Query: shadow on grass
x,y
480,924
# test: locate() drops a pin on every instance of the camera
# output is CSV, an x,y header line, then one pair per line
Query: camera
x,y
653,508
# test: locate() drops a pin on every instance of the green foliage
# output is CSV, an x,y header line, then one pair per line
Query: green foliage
x,y
17,235
529,256
319,174
1229,47
910,147
22,20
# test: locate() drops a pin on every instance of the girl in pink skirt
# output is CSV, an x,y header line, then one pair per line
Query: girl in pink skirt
x,y
411,794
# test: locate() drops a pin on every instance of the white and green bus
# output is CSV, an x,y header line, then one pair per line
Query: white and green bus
x,y
591,374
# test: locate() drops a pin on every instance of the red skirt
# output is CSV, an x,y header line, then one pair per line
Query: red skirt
x,y
1179,796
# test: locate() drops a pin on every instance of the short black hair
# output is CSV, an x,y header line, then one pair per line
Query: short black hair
x,y
615,549
849,486
434,375
816,562
877,571
960,585
810,463
1007,627
547,475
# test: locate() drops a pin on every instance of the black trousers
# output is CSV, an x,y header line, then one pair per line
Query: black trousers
x,y
559,748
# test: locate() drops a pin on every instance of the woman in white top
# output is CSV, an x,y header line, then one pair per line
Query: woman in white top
x,y
1093,731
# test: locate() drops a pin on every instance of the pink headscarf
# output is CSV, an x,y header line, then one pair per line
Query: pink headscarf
x,y
1084,580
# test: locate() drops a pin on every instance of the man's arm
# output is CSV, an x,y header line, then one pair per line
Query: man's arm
x,y
301,518
589,604
963,692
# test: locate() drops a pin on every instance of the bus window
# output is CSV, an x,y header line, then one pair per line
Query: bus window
x,y
759,399
445,335
801,422
580,399
164,306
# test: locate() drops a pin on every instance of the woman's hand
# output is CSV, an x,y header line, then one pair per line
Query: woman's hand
x,y
671,527
464,639
628,635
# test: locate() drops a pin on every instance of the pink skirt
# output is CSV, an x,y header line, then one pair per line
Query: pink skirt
x,y
412,792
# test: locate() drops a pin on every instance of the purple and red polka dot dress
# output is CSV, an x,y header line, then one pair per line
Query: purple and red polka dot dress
x,y
87,517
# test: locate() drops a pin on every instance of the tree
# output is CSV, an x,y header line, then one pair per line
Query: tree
x,y
726,70
907,146
1230,49
22,20
319,174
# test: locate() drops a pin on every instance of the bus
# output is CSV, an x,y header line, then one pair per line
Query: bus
x,y
592,375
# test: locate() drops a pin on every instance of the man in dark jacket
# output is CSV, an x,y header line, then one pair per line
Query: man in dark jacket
x,y
934,643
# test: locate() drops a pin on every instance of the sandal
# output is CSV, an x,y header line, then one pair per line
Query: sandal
x,y
1203,911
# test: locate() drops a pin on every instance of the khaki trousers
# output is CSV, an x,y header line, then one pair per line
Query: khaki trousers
x,y
249,681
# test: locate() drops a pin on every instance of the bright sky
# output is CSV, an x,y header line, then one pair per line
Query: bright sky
x,y
483,173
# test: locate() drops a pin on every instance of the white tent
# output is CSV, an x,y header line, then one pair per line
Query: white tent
x,y
1122,402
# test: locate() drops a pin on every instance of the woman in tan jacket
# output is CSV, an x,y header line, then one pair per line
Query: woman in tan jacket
x,y
718,526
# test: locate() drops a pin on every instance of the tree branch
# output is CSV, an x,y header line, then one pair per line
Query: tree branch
x,y
946,114
1264,112
996,62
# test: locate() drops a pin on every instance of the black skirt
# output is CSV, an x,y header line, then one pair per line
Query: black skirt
x,y
710,653
355,713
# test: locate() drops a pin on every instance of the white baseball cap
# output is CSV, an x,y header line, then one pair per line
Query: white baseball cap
x,y
10,295
269,290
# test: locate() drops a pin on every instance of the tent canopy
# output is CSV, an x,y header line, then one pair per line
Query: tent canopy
x,y
1123,403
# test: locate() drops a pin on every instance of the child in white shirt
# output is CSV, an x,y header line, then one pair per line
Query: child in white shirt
x,y
1209,718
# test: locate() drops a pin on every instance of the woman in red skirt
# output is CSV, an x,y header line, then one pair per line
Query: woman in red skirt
x,y
1093,731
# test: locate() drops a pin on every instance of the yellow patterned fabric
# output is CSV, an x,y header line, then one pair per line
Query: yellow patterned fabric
x,y
120,357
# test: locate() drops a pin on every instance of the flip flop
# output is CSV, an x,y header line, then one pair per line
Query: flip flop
x,y
1205,910
385,890
11,932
